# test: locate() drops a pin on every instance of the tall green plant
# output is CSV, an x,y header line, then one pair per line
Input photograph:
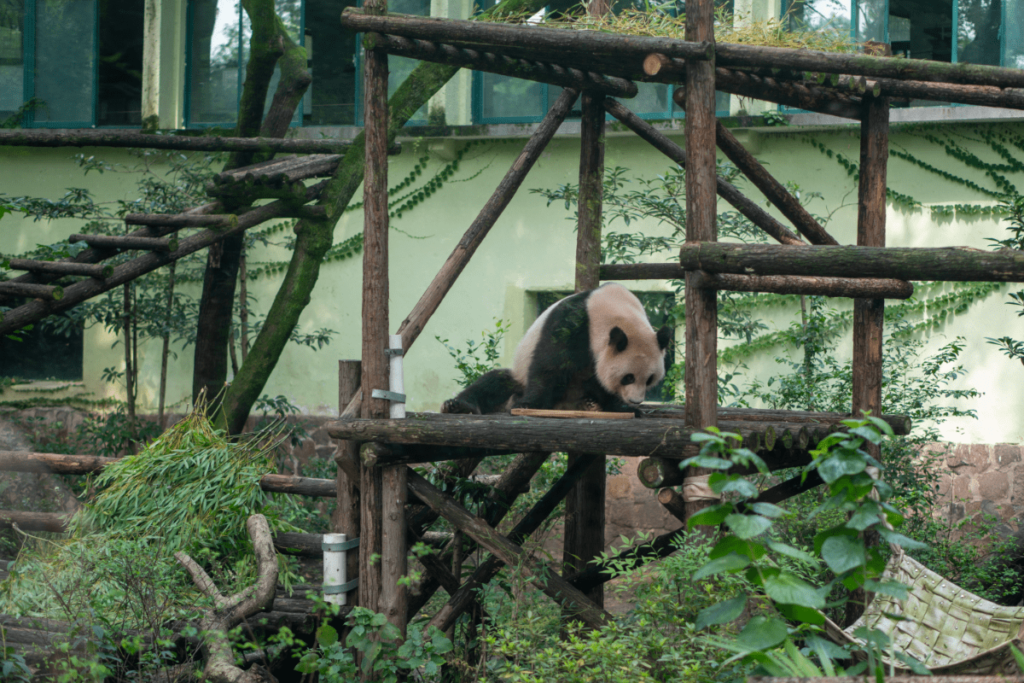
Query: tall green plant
x,y
748,548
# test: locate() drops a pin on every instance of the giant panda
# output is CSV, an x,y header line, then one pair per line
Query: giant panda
x,y
595,349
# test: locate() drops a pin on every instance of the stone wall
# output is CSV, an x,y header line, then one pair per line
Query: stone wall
x,y
982,482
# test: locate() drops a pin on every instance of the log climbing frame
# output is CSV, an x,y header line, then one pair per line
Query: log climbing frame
x,y
599,69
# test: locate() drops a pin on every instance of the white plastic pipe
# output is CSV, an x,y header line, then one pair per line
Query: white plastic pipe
x,y
397,382
334,569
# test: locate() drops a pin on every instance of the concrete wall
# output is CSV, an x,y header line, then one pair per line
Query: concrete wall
x,y
531,249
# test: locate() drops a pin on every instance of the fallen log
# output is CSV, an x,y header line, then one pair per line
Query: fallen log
x,y
952,264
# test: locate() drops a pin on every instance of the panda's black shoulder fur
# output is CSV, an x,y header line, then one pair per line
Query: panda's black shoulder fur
x,y
490,393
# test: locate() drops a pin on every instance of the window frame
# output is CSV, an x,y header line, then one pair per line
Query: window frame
x,y
187,123
28,119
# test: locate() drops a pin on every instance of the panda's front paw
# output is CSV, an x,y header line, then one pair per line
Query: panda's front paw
x,y
456,406
589,405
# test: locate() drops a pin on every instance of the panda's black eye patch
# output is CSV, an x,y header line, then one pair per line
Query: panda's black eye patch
x,y
650,380
628,379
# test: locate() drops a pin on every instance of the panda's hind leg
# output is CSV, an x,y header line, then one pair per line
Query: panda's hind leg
x,y
490,393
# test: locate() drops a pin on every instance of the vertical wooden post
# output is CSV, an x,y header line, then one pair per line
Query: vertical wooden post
x,y
869,314
375,373
701,212
585,504
394,600
346,514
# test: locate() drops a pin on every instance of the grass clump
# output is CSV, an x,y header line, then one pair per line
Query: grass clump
x,y
189,490
661,22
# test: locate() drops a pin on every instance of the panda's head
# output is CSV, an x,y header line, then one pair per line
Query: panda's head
x,y
632,361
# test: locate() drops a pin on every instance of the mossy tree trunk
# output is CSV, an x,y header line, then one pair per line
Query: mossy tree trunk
x,y
270,43
314,237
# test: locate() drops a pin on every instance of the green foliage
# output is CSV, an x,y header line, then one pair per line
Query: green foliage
x,y
1013,206
378,641
190,490
479,357
861,503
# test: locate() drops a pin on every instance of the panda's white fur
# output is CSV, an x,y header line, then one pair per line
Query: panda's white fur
x,y
608,307
593,349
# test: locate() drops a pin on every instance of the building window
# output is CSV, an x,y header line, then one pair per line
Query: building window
x,y
79,61
503,99
962,31
218,49
658,306
50,349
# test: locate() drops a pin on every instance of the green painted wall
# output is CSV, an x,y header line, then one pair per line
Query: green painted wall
x,y
531,248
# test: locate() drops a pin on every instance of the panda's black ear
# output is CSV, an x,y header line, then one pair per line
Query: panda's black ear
x,y
664,337
618,339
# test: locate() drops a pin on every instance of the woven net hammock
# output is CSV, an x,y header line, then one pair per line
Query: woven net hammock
x,y
948,629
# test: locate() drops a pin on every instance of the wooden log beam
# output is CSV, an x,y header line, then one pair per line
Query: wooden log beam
x,y
901,424
770,89
531,69
771,188
878,288
461,599
754,213
126,242
54,463
495,36
53,522
43,292
417,319
301,486
954,264
84,137
672,501
282,169
664,438
60,268
859,64
515,477
979,95
542,576
182,220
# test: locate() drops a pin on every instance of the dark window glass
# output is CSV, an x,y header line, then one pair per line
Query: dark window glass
x,y
1013,34
977,39
64,61
331,50
213,62
52,349
12,56
119,101
658,306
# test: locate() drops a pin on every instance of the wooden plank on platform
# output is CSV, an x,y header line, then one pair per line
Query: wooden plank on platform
x,y
567,414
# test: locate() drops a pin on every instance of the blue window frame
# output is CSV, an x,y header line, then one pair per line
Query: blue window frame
x,y
959,31
217,39
79,61
503,99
